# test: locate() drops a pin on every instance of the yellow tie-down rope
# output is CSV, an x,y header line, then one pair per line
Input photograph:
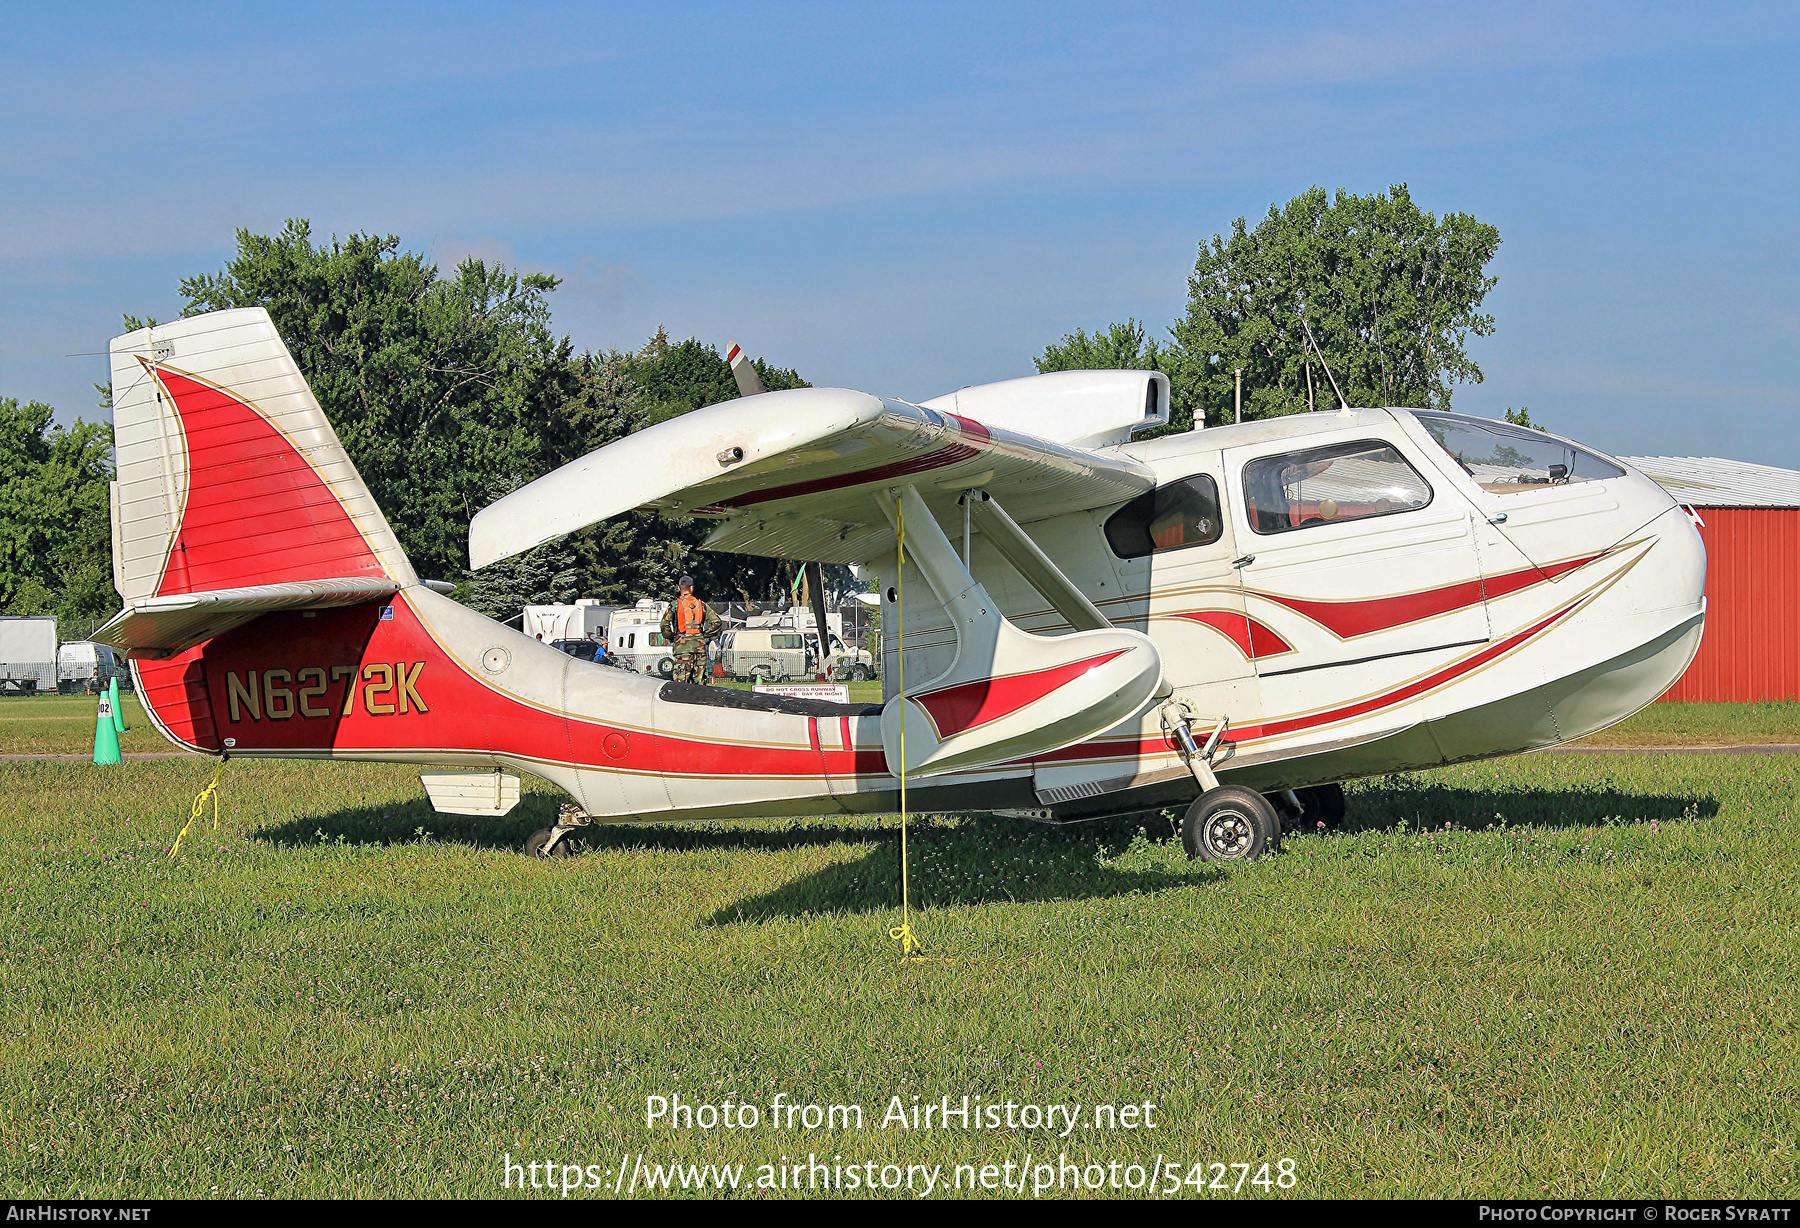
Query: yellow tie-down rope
x,y
910,947
211,791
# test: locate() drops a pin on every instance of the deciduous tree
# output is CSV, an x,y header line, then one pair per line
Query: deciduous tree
x,y
55,521
1391,294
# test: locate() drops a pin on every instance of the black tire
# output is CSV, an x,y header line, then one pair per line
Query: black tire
x,y
1324,804
1321,808
859,674
535,842
1230,823
666,667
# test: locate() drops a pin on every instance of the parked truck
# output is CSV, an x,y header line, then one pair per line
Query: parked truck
x,y
27,653
82,665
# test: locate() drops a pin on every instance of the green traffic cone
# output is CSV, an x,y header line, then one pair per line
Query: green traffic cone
x,y
106,738
118,708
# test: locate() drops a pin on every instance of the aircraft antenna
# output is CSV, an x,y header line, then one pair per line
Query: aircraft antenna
x,y
1343,405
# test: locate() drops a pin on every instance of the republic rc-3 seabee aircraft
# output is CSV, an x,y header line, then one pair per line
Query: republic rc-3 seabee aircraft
x,y
1232,619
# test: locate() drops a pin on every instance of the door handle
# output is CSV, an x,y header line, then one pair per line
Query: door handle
x,y
1497,519
1245,561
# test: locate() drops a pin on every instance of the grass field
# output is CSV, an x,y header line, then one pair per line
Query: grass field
x,y
1704,725
64,724
1551,976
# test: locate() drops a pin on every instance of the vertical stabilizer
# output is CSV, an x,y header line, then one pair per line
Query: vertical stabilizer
x,y
229,474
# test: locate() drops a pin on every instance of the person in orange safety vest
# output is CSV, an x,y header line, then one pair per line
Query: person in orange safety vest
x,y
688,625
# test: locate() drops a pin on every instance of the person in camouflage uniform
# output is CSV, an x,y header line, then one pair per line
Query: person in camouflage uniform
x,y
688,624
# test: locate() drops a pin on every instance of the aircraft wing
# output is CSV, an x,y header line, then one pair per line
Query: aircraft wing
x,y
794,473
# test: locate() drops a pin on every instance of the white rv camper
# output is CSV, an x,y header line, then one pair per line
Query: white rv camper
x,y
637,641
587,619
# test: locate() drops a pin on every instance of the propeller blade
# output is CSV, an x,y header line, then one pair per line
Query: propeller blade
x,y
744,372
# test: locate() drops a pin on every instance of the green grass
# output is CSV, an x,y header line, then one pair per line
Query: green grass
x,y
64,725
1705,725
1543,977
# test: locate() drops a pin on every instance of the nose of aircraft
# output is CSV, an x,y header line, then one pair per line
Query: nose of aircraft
x,y
1674,571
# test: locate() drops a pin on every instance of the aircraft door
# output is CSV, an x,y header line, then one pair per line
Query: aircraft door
x,y
1170,552
1362,575
1172,549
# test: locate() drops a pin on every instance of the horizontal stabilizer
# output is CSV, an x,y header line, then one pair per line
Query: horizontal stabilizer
x,y
163,626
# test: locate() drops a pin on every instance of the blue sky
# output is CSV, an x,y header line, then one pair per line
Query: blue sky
x,y
907,200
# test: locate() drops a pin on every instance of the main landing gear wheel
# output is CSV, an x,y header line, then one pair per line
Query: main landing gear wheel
x,y
1325,804
1230,823
535,842
1310,808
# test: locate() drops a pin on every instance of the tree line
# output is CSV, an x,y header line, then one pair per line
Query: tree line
x,y
450,389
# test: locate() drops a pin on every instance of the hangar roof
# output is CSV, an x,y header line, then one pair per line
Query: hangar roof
x,y
1710,481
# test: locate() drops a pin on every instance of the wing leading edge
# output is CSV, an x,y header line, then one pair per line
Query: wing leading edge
x,y
791,474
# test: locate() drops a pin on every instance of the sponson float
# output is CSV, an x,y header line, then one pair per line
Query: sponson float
x,y
1234,618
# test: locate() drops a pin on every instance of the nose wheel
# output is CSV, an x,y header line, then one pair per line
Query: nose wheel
x,y
1230,823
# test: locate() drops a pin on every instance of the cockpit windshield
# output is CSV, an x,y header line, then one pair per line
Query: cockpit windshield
x,y
1509,460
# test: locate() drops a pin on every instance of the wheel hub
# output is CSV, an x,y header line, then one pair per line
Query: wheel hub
x,y
1228,833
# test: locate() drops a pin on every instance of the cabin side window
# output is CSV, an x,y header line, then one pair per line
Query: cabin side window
x,y
1511,460
1329,485
1172,517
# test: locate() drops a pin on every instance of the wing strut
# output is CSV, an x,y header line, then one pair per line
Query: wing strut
x,y
1007,694
1032,563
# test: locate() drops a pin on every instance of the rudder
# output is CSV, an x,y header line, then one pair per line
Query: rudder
x,y
229,473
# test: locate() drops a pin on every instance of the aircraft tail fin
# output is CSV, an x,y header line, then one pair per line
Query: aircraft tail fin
x,y
233,490
234,499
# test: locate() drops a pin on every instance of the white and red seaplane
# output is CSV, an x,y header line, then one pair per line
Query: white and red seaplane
x,y
1234,619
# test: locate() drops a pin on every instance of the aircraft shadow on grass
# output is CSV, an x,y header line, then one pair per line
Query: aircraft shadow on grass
x,y
980,860
1384,804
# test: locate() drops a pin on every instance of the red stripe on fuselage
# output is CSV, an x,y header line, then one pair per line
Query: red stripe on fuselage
x,y
1272,729
1253,638
1350,619
464,714
468,715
